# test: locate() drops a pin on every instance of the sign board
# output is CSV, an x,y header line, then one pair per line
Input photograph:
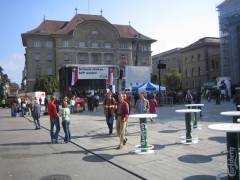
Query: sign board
x,y
137,75
92,72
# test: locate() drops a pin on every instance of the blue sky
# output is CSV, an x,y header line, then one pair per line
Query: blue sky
x,y
173,23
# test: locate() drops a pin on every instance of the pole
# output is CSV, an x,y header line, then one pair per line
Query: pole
x,y
159,83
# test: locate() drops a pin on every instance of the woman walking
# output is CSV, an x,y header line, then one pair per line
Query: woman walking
x,y
66,122
152,105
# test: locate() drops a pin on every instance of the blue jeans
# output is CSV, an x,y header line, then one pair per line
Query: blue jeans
x,y
65,124
109,120
37,122
54,135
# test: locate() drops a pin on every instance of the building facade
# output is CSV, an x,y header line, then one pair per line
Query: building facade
x,y
229,25
171,58
85,39
198,63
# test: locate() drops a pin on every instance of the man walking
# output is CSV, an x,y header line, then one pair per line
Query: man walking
x,y
36,114
109,107
122,112
142,104
54,120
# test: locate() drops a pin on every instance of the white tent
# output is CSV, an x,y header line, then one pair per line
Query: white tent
x,y
150,87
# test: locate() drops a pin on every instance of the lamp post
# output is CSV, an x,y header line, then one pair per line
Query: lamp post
x,y
160,66
137,37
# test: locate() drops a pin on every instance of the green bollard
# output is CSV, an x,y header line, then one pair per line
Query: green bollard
x,y
188,127
233,155
195,118
143,128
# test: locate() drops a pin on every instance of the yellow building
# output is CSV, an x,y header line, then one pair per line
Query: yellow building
x,y
198,62
85,39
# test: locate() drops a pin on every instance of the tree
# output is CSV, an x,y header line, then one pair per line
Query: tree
x,y
47,84
173,80
154,78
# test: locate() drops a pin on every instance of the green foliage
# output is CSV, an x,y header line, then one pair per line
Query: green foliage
x,y
154,79
172,80
47,84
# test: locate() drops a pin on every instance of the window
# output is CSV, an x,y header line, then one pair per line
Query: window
x,y
81,44
213,64
108,58
198,57
107,45
186,74
123,45
94,45
65,44
38,71
66,57
49,71
37,44
199,71
192,72
37,56
49,57
49,44
94,33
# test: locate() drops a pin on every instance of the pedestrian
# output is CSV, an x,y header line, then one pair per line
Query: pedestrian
x,y
109,108
142,104
237,98
40,101
122,112
46,105
72,104
65,114
217,96
189,97
54,120
152,105
36,113
3,103
14,109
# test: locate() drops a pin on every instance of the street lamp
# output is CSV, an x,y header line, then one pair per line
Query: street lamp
x,y
137,37
160,66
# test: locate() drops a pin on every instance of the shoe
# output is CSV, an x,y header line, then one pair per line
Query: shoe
x,y
125,141
119,147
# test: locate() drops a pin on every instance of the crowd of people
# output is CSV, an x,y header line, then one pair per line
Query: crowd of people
x,y
116,108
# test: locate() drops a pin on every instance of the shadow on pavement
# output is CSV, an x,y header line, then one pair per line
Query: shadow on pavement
x,y
21,155
219,139
17,129
200,177
71,152
195,158
25,143
94,158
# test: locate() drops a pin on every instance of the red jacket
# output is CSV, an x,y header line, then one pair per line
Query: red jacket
x,y
52,111
125,110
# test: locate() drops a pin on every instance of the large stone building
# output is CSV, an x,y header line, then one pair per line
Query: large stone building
x,y
229,22
85,39
171,58
198,63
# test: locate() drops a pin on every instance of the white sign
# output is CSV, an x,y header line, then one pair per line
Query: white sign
x,y
92,72
137,75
